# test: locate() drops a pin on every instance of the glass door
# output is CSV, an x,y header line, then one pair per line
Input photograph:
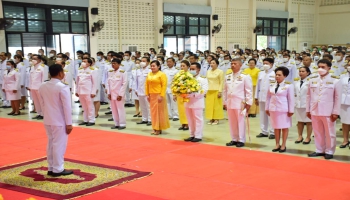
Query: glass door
x,y
53,42
80,42
191,43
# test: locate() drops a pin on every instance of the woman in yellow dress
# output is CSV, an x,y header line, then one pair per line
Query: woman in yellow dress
x,y
253,71
213,102
155,89
185,65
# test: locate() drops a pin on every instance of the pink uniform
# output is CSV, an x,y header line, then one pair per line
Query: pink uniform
x,y
37,76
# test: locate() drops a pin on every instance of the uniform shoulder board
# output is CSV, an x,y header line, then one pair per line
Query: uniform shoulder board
x,y
22,63
287,82
42,64
308,79
16,70
336,77
335,66
314,77
65,83
333,61
122,71
80,67
315,67
111,70
65,70
293,63
229,71
92,68
24,58
296,79
178,68
203,76
344,73
121,65
331,71
244,73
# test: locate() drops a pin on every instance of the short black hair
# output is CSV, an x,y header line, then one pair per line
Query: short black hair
x,y
38,56
100,53
270,60
117,61
19,57
129,52
147,58
55,69
80,52
12,63
329,56
89,60
172,59
186,63
284,70
216,61
198,66
324,61
161,57
252,59
195,56
342,52
219,47
157,63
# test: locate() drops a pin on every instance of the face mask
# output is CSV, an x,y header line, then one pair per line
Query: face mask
x,y
226,61
201,58
197,54
143,64
137,65
171,56
262,57
83,65
285,60
279,55
186,55
51,55
236,56
79,61
337,58
316,57
126,57
293,55
176,59
40,53
330,49
297,62
266,67
34,62
348,50
221,55
8,67
98,57
58,59
321,71
249,57
193,72
161,62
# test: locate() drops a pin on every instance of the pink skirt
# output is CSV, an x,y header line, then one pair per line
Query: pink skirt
x,y
280,120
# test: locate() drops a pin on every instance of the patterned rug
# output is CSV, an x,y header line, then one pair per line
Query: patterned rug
x,y
30,177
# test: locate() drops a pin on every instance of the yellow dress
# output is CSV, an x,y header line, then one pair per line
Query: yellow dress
x,y
181,109
254,73
213,104
155,87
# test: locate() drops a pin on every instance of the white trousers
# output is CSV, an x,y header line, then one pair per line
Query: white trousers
x,y
35,97
5,102
87,104
118,112
146,113
325,134
195,121
56,147
237,125
103,96
128,96
172,106
265,120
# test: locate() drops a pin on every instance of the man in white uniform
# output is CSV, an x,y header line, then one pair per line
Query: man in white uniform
x,y
68,78
170,72
290,64
323,102
116,88
127,66
139,87
3,61
38,75
194,108
238,97
55,101
262,87
86,90
101,64
339,63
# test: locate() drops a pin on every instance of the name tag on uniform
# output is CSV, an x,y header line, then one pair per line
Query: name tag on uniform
x,y
272,81
272,76
314,82
87,72
329,83
284,88
239,78
37,69
228,79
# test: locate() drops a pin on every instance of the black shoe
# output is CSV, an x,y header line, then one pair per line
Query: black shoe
x,y
122,127
108,113
175,119
126,105
307,142
283,150
196,140
104,103
328,156
22,108
114,127
142,122
149,123
185,129
49,173
36,117
80,106
315,154
111,119
240,144
271,137
32,111
181,128
299,141
261,135
77,101
83,123
11,113
109,108
189,139
345,145
136,115
275,150
97,116
131,105
232,143
40,117
90,124
252,116
63,173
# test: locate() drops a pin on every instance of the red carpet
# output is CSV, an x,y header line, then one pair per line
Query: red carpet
x,y
182,170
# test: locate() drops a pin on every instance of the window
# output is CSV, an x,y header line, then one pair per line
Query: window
x,y
273,33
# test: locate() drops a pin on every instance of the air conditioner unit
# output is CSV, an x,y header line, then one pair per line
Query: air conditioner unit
x,y
129,48
303,46
233,46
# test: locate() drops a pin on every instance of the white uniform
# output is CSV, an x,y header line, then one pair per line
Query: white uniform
x,y
55,100
238,91
5,102
172,105
204,68
117,86
37,76
338,67
69,66
262,87
86,85
11,82
139,87
132,84
99,73
194,109
345,99
300,92
22,70
323,100
225,65
290,64
68,78
128,65
101,65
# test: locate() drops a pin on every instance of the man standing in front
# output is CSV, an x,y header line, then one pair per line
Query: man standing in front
x,y
238,97
55,101
323,102
86,90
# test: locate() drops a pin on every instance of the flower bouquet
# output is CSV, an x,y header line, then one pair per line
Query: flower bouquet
x,y
184,83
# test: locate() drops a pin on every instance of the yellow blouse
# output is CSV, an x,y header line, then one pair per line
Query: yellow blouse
x,y
156,83
215,79
254,73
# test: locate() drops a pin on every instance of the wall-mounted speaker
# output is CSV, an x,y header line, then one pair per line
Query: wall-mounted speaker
x,y
291,20
215,17
94,11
